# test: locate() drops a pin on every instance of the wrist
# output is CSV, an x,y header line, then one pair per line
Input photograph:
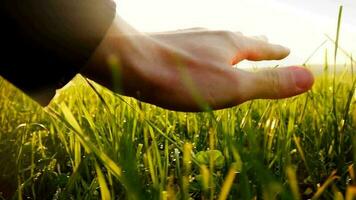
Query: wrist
x,y
125,51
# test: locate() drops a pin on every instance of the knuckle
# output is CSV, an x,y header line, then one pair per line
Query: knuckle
x,y
239,33
197,29
273,80
226,34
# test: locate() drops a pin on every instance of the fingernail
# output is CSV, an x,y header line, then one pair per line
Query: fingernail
x,y
303,78
287,49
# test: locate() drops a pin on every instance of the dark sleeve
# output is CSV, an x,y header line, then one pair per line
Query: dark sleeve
x,y
44,43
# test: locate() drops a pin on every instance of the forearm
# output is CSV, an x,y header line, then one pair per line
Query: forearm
x,y
47,42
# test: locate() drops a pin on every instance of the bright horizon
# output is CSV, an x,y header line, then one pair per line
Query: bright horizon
x,y
300,25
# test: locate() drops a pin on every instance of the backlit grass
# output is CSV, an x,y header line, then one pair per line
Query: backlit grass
x,y
91,144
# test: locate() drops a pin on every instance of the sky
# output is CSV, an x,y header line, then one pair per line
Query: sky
x,y
300,25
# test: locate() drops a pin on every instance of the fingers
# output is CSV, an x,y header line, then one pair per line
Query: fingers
x,y
274,83
260,50
257,49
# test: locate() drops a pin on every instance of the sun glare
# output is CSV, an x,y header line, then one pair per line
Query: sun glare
x,y
300,26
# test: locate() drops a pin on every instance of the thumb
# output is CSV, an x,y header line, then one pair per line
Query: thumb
x,y
275,83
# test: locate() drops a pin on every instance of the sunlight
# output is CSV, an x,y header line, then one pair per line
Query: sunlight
x,y
299,25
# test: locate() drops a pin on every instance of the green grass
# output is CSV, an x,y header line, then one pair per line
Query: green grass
x,y
91,144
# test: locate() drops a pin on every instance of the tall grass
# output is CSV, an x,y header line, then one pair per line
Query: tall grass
x,y
92,144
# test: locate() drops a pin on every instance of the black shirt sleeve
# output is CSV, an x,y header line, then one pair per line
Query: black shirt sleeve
x,y
44,43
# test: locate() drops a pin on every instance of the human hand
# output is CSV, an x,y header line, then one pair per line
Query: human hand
x,y
191,70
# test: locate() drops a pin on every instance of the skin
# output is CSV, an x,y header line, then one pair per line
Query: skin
x,y
191,70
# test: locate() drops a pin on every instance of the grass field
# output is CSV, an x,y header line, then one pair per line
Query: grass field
x,y
91,144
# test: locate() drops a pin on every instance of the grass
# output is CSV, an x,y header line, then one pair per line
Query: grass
x,y
92,144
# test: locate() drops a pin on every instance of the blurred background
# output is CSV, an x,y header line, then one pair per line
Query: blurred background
x,y
300,25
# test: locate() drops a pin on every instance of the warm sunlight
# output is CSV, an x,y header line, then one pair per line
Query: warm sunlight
x,y
300,25
97,101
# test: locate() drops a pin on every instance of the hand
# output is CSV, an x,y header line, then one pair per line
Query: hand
x,y
192,69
